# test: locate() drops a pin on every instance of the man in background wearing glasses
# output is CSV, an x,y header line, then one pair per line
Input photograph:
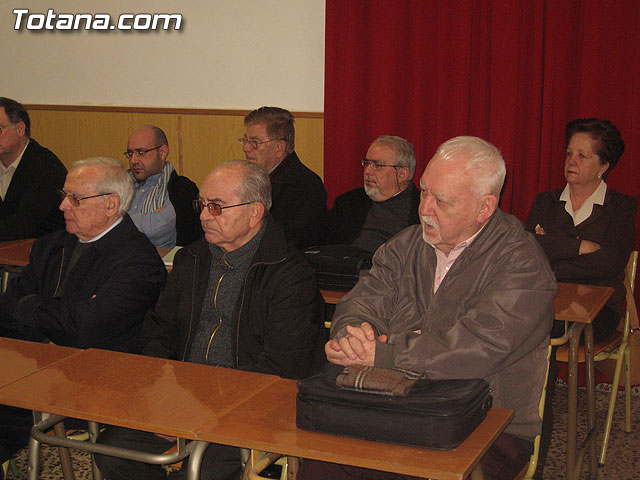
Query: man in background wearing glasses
x,y
87,287
299,197
30,175
240,298
368,216
161,205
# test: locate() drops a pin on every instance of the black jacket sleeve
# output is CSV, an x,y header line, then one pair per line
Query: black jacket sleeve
x,y
30,207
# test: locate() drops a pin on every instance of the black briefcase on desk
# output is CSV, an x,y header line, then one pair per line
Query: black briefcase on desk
x,y
338,267
436,414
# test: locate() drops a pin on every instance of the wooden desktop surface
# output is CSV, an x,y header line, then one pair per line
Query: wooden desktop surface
x,y
332,296
580,303
16,252
20,358
145,393
267,422
211,404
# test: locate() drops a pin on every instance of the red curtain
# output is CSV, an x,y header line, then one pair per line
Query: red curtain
x,y
511,71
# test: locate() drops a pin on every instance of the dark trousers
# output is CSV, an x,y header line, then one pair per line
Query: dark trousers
x,y
15,427
503,461
220,462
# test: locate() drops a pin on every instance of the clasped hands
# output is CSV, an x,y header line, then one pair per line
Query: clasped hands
x,y
357,347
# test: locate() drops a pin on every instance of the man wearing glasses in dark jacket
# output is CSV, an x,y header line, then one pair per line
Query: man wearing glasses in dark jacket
x,y
30,175
87,287
242,298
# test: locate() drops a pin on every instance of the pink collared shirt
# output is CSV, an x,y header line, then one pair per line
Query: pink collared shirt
x,y
444,261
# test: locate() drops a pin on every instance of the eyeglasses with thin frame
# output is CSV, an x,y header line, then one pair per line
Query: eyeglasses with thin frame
x,y
375,165
214,208
74,199
4,127
254,144
139,152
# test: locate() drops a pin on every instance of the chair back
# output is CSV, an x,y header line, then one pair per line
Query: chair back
x,y
533,461
631,312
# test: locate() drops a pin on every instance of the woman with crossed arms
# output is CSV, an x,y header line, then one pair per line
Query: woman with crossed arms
x,y
587,229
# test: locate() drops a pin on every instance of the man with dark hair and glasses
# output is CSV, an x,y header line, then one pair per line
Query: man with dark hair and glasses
x,y
87,287
30,175
368,216
161,206
299,196
241,298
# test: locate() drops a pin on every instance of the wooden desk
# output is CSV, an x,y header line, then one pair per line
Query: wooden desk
x,y
332,296
215,404
20,359
266,422
144,393
16,252
580,304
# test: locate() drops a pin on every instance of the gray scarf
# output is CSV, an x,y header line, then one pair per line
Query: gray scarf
x,y
155,198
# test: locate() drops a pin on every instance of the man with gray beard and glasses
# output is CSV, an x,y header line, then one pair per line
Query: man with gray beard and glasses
x,y
368,216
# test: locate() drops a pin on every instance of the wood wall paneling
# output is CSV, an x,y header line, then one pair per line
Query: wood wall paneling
x,y
198,140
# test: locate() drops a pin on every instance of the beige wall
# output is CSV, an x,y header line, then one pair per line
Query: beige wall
x,y
198,139
238,54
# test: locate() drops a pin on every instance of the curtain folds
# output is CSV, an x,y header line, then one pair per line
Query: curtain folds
x,y
512,72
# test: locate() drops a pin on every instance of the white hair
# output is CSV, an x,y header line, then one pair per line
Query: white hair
x,y
112,179
485,162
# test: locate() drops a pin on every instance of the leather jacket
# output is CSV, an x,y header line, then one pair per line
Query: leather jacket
x,y
490,317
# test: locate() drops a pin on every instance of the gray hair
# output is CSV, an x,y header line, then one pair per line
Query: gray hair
x,y
405,157
485,162
255,186
16,113
113,179
278,122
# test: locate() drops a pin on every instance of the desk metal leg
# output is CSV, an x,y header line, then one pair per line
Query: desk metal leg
x,y
65,455
575,456
195,460
572,414
590,439
257,462
38,436
94,431
33,458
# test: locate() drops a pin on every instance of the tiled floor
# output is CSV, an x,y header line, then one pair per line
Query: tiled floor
x,y
623,453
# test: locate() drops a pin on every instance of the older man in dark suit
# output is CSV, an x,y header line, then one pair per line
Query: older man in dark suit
x,y
87,287
30,176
